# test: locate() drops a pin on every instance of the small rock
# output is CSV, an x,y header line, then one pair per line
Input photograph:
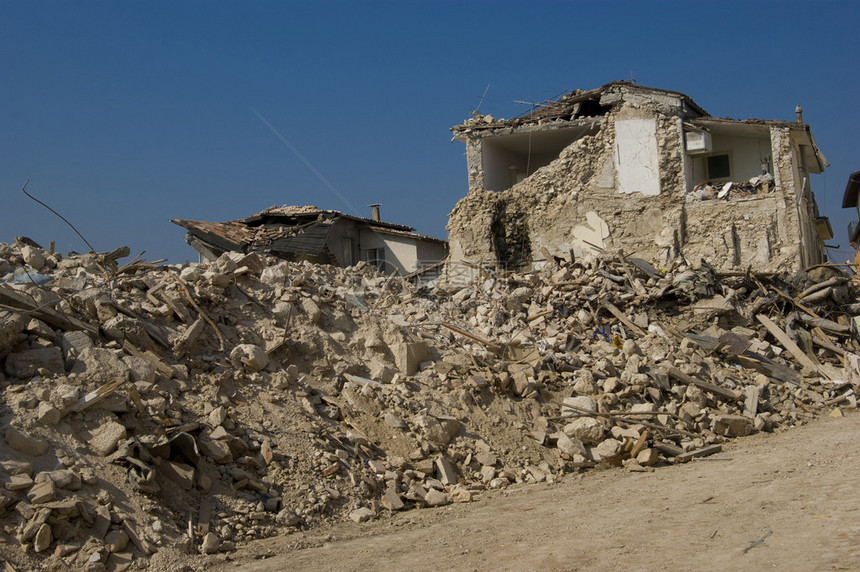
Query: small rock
x,y
106,437
43,538
211,543
362,514
24,443
42,492
436,498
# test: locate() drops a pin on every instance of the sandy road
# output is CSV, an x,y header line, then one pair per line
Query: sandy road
x,y
797,492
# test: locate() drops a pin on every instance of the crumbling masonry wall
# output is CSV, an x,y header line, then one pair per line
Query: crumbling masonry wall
x,y
550,209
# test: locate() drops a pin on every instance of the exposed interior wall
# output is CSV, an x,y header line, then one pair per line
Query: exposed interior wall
x,y
746,154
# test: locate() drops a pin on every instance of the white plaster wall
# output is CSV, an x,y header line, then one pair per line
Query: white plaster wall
x,y
636,156
400,252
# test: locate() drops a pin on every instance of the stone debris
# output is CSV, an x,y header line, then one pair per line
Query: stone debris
x,y
201,406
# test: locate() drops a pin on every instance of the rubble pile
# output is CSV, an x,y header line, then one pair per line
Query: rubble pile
x,y
151,408
758,185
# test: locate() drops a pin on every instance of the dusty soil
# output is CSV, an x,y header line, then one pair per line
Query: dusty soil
x,y
798,492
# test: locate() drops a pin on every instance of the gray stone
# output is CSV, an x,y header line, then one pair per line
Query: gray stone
x,y
732,425
362,514
586,429
42,492
28,363
409,355
47,414
217,416
445,471
393,421
488,472
288,518
43,538
570,405
34,257
99,365
11,324
116,540
436,498
211,543
106,437
648,457
570,445
608,449
75,341
250,357
24,443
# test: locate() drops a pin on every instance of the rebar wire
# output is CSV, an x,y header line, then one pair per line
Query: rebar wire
x,y
62,218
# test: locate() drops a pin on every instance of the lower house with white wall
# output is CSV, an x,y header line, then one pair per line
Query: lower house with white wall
x,y
320,236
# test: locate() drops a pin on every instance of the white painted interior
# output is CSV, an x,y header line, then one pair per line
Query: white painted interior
x,y
636,158
746,151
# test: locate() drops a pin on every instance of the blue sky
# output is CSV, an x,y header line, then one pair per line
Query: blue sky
x,y
124,115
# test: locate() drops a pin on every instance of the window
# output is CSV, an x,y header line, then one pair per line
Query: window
x,y
719,166
375,257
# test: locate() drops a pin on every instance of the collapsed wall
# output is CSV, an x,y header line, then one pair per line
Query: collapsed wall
x,y
624,183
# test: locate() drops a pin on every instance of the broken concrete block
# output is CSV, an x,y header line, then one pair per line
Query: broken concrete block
x,y
43,538
11,324
608,449
24,443
33,256
100,364
106,437
445,471
47,414
460,495
586,429
217,416
211,543
408,356
312,310
570,445
116,540
42,492
251,357
391,500
19,482
648,457
436,498
44,361
732,425
393,421
573,405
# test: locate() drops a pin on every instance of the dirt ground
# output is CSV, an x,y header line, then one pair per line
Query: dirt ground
x,y
789,501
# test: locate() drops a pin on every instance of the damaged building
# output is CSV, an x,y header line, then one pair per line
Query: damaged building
x,y
320,236
644,170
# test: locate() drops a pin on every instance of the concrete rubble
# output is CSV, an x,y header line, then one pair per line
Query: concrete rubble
x,y
195,407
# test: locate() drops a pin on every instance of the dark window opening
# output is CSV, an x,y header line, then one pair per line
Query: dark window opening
x,y
719,166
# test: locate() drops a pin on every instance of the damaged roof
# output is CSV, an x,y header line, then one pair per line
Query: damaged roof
x,y
577,104
285,229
